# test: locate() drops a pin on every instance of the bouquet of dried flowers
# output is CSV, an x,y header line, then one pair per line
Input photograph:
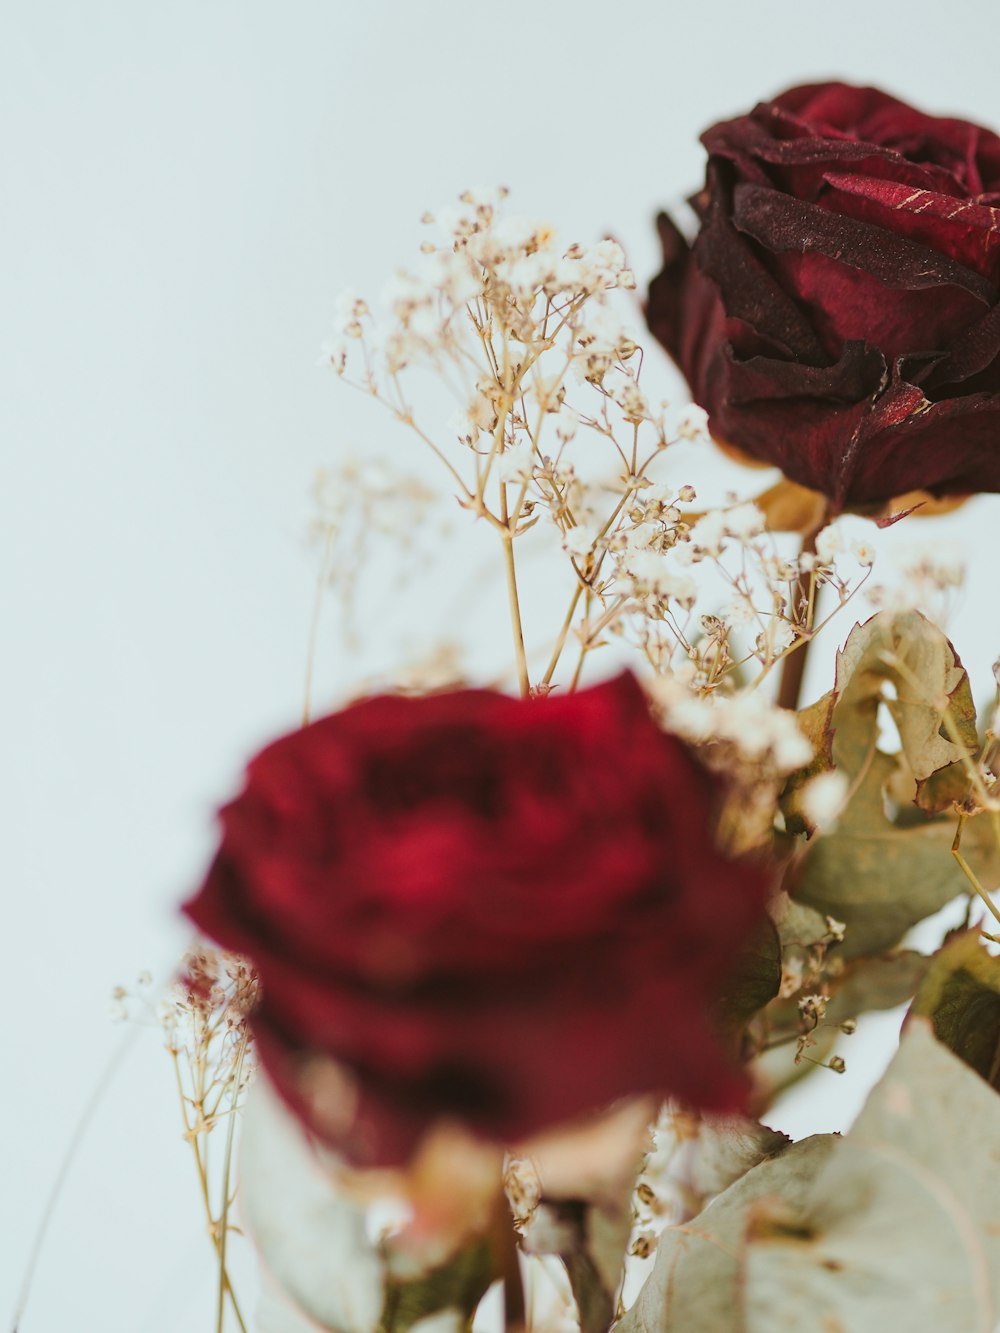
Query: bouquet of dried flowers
x,y
514,975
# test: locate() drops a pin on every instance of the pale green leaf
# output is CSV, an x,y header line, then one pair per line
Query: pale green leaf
x,y
877,1243
876,877
896,1226
937,1110
725,1148
875,984
695,1283
798,926
311,1236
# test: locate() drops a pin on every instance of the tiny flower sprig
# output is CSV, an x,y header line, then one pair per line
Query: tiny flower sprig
x,y
359,502
706,598
537,361
923,579
205,1022
498,313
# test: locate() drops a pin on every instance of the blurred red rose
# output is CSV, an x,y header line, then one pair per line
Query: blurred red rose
x,y
503,912
838,313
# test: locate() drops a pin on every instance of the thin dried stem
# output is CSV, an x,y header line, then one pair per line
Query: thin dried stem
x,y
223,1225
793,672
321,581
557,651
520,658
969,873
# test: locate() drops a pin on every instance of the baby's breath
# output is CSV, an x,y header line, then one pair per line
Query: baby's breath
x,y
206,1024
551,421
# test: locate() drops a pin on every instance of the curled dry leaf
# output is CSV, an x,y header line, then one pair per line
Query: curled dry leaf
x,y
882,869
932,708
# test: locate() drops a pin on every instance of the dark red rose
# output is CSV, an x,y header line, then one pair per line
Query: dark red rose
x,y
838,313
506,912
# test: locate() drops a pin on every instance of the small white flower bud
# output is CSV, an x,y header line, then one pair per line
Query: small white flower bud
x,y
692,424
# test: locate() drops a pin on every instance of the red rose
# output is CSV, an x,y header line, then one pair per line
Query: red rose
x,y
507,912
838,314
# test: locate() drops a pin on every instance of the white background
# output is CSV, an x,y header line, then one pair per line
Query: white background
x,y
186,188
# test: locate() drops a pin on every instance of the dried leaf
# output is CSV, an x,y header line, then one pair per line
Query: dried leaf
x,y
816,724
798,925
586,1173
721,1150
789,507
933,702
932,1107
457,1286
566,1227
878,877
875,984
881,873
961,997
695,1283
895,1226
876,1243
754,982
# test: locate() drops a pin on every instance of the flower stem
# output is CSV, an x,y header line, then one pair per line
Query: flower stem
x,y
507,541
191,1134
563,635
506,1265
321,582
967,870
794,669
584,644
223,1227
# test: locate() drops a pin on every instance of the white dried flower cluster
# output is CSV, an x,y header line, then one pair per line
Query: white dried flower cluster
x,y
761,734
925,579
205,1017
656,1199
121,1008
764,601
523,1189
551,420
823,797
363,501
378,489
505,275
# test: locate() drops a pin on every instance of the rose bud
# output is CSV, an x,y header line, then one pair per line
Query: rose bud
x,y
497,912
837,314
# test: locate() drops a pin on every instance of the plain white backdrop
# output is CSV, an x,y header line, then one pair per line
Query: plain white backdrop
x,y
186,188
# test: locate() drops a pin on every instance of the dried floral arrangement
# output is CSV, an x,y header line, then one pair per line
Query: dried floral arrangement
x,y
513,975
